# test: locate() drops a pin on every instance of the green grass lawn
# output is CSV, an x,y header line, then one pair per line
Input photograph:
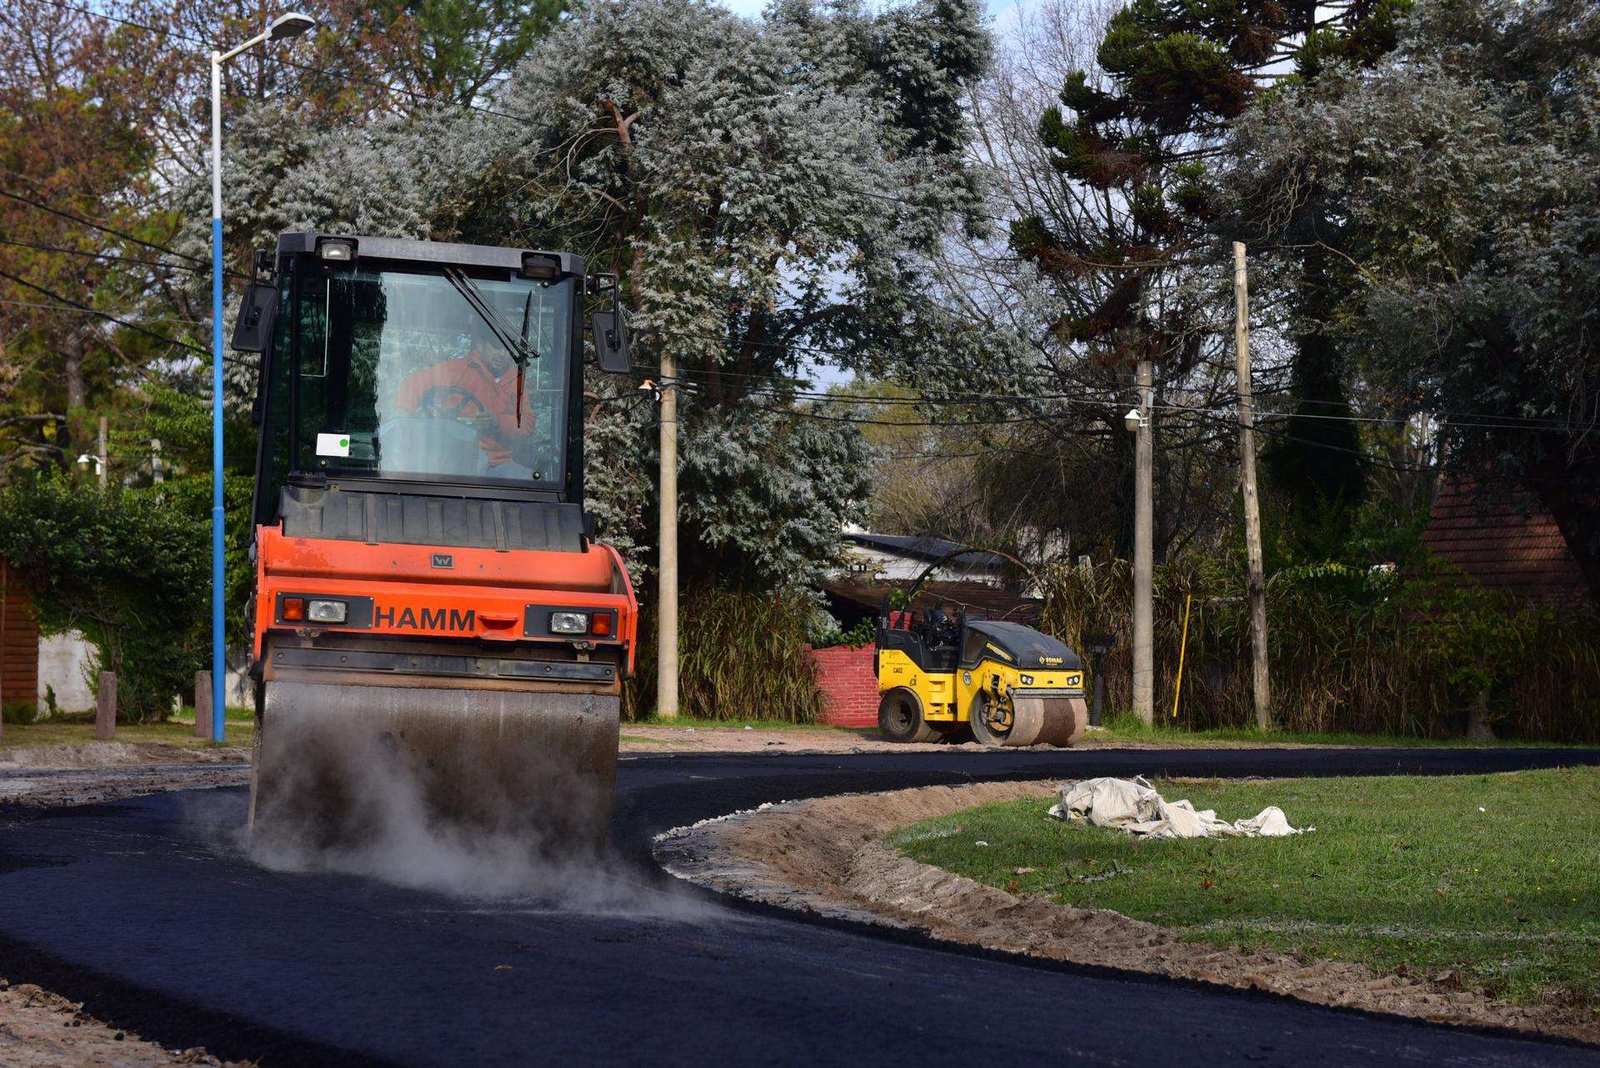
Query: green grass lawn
x,y
1495,877
1127,728
79,728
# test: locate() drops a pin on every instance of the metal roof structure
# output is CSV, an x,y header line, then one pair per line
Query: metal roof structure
x,y
929,549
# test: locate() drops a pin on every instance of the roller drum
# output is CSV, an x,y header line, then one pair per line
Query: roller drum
x,y
340,764
1033,720
1047,720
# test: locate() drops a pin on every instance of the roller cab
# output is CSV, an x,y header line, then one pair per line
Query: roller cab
x,y
1008,684
429,607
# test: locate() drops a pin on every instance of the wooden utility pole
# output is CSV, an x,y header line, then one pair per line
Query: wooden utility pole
x,y
105,707
104,454
667,579
1261,681
202,705
1144,688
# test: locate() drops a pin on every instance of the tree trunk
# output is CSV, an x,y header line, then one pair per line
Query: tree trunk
x,y
1478,727
73,373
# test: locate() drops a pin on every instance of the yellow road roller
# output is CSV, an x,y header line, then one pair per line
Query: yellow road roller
x,y
1010,685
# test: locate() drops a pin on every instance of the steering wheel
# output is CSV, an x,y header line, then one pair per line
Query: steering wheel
x,y
454,403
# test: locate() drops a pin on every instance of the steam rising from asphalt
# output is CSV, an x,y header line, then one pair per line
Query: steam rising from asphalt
x,y
486,813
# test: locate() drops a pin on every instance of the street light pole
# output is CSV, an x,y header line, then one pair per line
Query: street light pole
x,y
667,576
292,24
218,653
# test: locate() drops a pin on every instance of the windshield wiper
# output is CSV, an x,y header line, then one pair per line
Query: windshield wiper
x,y
517,345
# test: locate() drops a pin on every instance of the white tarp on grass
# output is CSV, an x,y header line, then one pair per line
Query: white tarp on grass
x,y
1134,806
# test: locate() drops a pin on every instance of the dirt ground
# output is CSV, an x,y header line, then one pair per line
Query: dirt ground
x,y
829,856
38,1029
54,775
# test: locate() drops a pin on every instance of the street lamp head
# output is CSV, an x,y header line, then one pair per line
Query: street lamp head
x,y
85,460
1133,420
292,24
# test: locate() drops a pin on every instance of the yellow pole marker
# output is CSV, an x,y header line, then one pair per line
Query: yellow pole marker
x,y
1183,647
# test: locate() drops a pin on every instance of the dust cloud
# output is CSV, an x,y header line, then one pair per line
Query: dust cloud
x,y
492,816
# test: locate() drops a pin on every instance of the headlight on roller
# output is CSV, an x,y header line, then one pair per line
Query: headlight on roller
x,y
569,622
326,611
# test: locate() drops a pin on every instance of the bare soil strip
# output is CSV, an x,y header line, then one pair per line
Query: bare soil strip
x,y
39,1029
828,856
57,787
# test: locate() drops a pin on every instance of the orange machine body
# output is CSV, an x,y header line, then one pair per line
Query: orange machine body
x,y
445,592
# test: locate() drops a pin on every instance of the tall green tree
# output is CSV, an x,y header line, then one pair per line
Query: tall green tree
x,y
1464,170
74,150
733,172
1141,132
453,50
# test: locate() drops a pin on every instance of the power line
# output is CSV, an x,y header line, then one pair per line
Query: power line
x,y
1222,407
92,311
164,31
834,397
41,206
89,254
74,305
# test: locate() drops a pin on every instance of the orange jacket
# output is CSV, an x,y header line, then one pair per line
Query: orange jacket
x,y
467,386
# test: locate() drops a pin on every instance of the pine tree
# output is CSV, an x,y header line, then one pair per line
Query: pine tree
x,y
1145,134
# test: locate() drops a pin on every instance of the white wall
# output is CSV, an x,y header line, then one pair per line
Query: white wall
x,y
64,662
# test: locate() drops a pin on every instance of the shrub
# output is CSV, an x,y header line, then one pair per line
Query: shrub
x,y
741,655
1351,649
863,632
128,568
20,713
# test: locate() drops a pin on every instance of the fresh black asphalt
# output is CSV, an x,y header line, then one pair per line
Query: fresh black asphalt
x,y
142,910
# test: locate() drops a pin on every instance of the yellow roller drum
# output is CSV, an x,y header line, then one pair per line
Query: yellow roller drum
x,y
1021,719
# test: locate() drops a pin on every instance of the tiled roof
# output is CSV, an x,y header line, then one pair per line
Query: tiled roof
x,y
1506,540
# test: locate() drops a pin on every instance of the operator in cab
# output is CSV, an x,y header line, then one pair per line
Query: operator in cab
x,y
480,388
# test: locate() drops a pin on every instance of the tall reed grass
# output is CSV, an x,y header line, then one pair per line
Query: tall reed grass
x,y
741,655
1350,650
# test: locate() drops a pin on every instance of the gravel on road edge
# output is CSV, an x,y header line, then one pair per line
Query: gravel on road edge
x,y
39,1029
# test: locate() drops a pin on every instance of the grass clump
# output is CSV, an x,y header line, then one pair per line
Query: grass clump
x,y
742,656
1493,877
1126,727
78,729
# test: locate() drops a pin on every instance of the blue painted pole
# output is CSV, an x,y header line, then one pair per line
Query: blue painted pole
x,y
219,659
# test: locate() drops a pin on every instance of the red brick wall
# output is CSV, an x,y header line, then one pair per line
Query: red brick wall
x,y
19,642
847,681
